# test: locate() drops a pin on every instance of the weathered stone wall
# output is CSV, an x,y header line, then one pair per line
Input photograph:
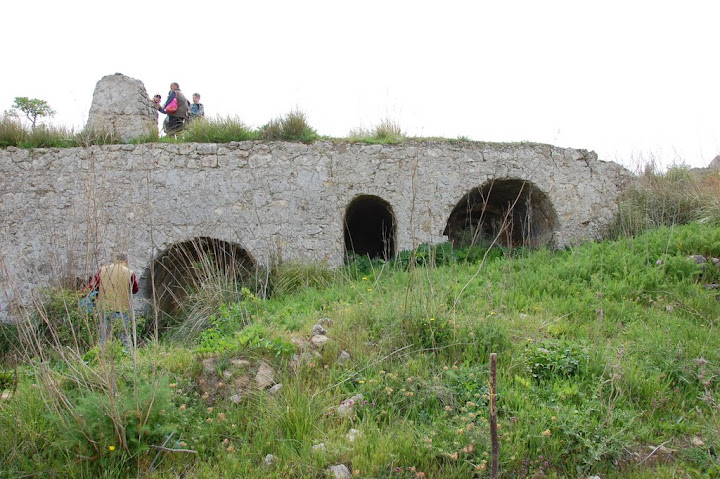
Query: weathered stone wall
x,y
65,211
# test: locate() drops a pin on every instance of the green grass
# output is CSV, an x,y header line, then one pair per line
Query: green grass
x,y
386,132
605,351
217,130
292,127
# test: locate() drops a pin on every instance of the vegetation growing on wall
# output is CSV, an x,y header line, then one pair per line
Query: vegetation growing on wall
x,y
293,126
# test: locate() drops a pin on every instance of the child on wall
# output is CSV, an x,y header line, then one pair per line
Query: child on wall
x,y
197,110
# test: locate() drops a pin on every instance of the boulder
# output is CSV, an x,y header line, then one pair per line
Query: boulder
x,y
121,107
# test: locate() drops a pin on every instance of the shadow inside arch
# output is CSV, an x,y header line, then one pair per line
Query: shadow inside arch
x,y
369,228
200,271
507,212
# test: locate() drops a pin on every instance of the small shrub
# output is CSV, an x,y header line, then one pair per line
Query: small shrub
x,y
555,359
116,429
8,380
387,132
228,316
292,127
59,322
256,337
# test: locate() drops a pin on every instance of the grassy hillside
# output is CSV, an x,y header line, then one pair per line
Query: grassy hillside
x,y
608,365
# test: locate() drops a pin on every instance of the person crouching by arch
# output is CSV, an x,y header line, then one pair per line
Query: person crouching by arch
x,y
176,108
115,283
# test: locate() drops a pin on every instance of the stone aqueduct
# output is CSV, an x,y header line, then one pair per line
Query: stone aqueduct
x,y
65,211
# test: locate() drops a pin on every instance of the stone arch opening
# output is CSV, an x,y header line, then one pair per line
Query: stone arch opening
x,y
189,267
509,212
370,227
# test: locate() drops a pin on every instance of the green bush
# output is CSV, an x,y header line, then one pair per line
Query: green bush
x,y
118,427
291,127
555,359
8,380
199,316
60,322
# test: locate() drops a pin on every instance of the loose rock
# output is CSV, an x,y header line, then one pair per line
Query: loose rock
x,y
319,341
339,471
265,376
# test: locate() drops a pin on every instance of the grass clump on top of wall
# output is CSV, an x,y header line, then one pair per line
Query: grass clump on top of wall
x,y
14,133
386,132
217,130
291,127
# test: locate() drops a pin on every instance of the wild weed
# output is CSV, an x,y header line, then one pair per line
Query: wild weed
x,y
657,199
217,130
292,127
386,132
12,132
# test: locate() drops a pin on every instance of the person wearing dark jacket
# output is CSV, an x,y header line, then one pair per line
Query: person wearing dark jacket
x,y
176,119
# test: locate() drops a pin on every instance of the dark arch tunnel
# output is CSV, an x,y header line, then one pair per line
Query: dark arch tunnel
x,y
509,212
370,227
185,267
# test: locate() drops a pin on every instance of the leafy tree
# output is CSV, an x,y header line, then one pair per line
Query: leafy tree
x,y
33,108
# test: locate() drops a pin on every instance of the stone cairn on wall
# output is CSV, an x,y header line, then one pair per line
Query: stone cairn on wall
x,y
122,107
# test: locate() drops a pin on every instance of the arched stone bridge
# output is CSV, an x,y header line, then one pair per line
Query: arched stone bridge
x,y
65,211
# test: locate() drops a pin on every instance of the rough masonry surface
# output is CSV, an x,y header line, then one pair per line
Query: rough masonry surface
x,y
121,108
66,211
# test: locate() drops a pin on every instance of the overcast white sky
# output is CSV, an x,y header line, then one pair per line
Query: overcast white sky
x,y
628,79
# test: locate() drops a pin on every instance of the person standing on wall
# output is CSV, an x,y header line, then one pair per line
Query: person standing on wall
x,y
176,108
115,283
197,110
